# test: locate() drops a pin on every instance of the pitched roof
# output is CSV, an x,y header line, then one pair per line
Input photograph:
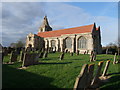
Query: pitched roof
x,y
75,30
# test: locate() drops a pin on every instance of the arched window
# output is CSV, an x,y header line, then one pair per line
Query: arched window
x,y
68,43
82,42
53,43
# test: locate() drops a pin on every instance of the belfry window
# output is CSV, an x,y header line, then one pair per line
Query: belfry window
x,y
82,42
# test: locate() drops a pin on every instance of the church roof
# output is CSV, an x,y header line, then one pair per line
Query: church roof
x,y
75,30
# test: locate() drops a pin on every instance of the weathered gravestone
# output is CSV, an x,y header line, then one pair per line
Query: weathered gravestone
x,y
84,52
81,80
41,55
45,54
30,59
92,56
21,55
61,56
71,54
13,57
77,53
106,68
114,61
95,80
90,75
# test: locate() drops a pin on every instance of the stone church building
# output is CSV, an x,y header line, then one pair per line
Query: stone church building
x,y
83,39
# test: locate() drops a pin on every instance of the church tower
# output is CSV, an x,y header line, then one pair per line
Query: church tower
x,y
45,26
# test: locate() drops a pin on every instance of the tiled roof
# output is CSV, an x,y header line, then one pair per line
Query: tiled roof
x,y
75,30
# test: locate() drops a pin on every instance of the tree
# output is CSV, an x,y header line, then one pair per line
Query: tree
x,y
19,43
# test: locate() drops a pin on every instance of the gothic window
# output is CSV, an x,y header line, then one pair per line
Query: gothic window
x,y
53,43
68,43
82,42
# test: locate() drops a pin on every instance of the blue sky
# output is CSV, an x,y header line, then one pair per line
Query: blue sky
x,y
19,19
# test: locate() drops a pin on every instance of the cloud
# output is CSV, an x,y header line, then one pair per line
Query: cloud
x,y
19,19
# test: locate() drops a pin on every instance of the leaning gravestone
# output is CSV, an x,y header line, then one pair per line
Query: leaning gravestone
x,y
90,74
45,54
13,57
96,78
62,56
106,68
81,80
30,59
41,55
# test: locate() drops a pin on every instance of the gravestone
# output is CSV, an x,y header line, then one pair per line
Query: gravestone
x,y
106,68
62,56
30,59
66,51
77,53
92,56
21,55
114,61
97,74
82,78
71,54
45,54
90,74
41,55
13,57
84,52
87,51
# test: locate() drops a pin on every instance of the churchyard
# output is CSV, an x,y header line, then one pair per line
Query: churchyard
x,y
59,70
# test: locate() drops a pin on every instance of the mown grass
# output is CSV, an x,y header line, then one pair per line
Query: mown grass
x,y
53,73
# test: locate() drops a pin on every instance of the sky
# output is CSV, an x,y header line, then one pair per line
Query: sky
x,y
22,18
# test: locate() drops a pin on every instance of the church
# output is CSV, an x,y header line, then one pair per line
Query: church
x,y
83,39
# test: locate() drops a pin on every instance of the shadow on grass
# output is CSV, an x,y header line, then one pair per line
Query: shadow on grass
x,y
15,78
55,63
114,82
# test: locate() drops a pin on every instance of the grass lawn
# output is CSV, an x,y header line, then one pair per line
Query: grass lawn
x,y
54,73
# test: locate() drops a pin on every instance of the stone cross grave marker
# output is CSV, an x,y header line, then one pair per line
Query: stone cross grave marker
x,y
96,78
82,78
106,68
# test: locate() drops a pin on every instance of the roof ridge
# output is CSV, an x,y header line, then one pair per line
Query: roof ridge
x,y
66,28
